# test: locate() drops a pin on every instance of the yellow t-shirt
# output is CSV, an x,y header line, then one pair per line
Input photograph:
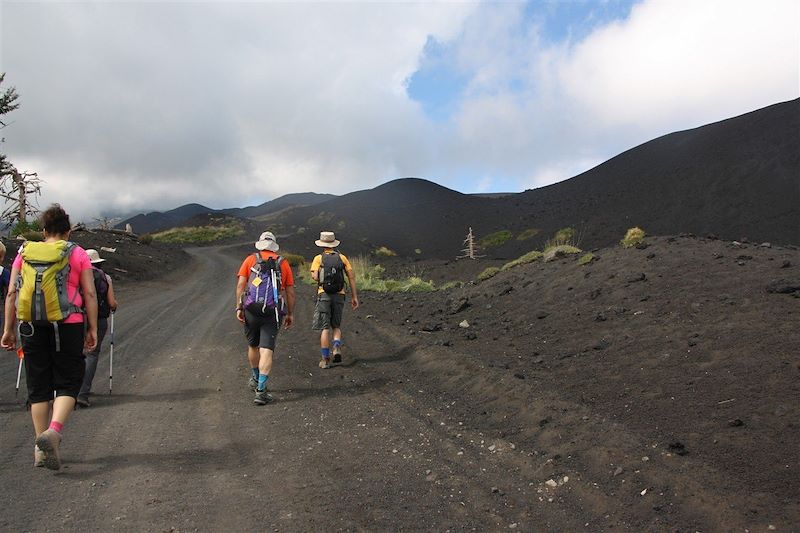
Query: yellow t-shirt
x,y
316,264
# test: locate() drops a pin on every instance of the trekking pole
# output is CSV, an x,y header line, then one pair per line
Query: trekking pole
x,y
21,357
111,357
275,296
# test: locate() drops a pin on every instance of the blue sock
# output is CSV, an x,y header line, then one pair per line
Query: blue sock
x,y
262,381
255,372
326,352
337,343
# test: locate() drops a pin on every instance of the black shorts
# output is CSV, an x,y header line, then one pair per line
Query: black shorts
x,y
328,311
48,371
260,330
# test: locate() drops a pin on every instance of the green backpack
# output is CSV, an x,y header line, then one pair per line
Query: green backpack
x,y
42,283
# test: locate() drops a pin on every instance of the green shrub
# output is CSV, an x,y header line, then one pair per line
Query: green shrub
x,y
586,259
530,257
564,236
31,235
146,238
369,277
384,252
199,234
294,260
415,284
555,252
495,239
320,219
455,284
23,227
528,234
488,273
633,237
417,251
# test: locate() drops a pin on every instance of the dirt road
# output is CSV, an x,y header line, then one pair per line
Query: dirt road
x,y
401,437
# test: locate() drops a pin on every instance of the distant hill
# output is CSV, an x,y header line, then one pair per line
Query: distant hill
x,y
186,214
156,220
735,178
278,204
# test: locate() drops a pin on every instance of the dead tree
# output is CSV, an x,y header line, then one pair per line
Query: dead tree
x,y
471,249
19,191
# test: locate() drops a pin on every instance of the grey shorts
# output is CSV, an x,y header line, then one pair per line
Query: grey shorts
x,y
328,312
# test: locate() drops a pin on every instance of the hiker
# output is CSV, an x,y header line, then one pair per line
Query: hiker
x,y
106,304
51,328
5,277
328,270
264,301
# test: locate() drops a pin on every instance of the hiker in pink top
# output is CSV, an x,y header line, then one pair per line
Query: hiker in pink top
x,y
54,361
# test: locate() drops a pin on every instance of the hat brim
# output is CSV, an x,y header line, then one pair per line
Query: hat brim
x,y
323,244
95,261
267,245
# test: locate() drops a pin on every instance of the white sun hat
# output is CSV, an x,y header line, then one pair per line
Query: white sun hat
x,y
94,257
267,242
327,240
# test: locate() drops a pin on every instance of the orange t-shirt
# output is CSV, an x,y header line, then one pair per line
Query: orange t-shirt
x,y
287,278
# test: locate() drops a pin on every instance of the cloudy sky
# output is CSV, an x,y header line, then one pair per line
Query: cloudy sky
x,y
130,106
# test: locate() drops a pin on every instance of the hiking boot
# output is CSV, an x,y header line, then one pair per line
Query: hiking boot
x,y
83,401
38,456
324,363
337,355
253,383
262,397
48,442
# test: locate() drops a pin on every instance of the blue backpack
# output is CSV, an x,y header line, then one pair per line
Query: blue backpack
x,y
263,294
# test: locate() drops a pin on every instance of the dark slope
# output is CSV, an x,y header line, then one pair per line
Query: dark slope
x,y
404,215
278,204
735,178
156,220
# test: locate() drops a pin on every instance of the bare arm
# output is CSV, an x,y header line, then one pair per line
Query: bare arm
x,y
289,320
90,304
352,279
241,284
9,341
112,300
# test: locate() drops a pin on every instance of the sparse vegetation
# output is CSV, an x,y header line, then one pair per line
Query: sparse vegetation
x,y
554,252
528,234
370,278
146,238
488,273
383,251
32,235
294,260
495,239
455,284
632,237
530,257
320,219
417,251
563,237
586,259
20,228
199,234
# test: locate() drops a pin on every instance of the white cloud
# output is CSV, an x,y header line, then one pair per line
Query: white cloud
x,y
152,105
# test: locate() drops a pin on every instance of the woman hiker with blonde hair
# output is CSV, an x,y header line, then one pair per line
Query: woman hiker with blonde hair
x,y
51,328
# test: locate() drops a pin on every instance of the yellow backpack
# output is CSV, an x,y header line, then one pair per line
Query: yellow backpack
x,y
42,283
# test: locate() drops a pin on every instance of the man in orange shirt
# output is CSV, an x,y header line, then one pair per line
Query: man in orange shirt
x,y
264,300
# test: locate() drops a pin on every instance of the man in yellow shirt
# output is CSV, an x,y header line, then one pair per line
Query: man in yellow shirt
x,y
329,269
